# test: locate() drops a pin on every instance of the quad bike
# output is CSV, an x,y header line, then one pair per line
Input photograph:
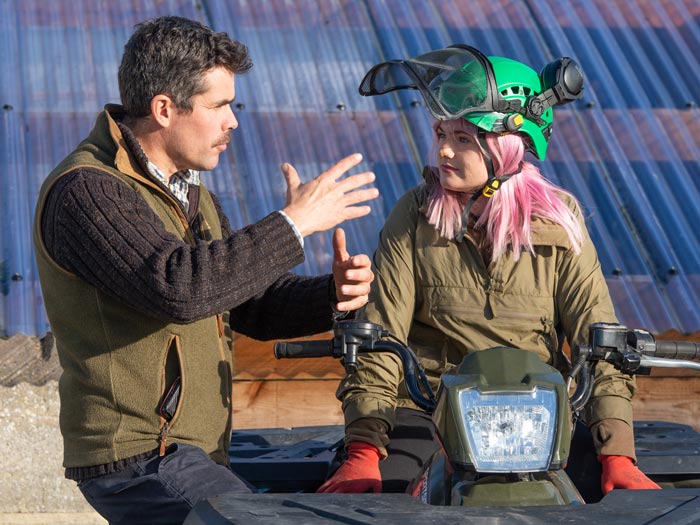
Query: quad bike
x,y
504,421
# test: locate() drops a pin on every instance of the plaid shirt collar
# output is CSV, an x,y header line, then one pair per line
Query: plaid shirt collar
x,y
179,182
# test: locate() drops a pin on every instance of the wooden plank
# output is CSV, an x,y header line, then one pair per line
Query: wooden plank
x,y
287,404
675,399
659,373
293,403
675,335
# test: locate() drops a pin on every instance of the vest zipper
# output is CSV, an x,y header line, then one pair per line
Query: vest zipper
x,y
163,437
220,324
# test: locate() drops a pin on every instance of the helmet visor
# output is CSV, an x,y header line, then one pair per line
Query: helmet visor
x,y
453,81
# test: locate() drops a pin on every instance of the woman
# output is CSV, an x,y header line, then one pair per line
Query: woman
x,y
485,253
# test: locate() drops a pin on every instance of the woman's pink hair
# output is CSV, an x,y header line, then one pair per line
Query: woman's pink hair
x,y
508,215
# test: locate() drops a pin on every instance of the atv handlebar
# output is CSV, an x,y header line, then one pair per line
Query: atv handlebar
x,y
294,349
634,351
353,337
677,350
629,351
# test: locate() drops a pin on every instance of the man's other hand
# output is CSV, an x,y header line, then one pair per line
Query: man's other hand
x,y
352,275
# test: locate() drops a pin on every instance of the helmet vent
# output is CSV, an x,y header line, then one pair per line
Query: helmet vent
x,y
517,91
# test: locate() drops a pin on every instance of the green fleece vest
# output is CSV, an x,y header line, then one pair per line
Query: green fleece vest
x,y
117,362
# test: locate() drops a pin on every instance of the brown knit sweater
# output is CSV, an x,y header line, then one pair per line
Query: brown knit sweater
x,y
95,226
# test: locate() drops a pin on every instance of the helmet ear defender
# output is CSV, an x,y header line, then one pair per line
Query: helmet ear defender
x,y
565,78
562,82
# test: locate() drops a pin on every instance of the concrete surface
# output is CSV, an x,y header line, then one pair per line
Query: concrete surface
x,y
31,452
32,487
55,518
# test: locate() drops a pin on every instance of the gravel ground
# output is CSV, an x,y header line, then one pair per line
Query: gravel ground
x,y
32,485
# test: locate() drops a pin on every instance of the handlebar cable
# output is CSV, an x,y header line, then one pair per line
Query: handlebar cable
x,y
425,383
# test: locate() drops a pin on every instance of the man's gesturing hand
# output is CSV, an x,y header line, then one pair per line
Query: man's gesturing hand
x,y
352,275
324,202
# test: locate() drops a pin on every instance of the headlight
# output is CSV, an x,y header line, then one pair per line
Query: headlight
x,y
510,432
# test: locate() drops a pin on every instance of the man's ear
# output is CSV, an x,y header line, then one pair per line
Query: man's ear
x,y
162,110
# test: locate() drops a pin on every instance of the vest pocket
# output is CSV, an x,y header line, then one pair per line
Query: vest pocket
x,y
172,391
171,364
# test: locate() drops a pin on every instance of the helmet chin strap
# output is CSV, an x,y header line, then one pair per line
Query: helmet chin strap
x,y
489,189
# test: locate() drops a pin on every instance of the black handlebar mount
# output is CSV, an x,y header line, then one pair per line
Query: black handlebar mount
x,y
351,337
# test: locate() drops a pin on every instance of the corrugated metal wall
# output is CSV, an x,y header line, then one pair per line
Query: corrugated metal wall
x,y
629,150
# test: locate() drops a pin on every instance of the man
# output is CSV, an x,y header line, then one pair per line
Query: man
x,y
138,265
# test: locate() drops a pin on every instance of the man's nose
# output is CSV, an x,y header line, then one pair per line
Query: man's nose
x,y
232,122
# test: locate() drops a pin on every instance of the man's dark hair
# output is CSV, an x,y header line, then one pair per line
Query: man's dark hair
x,y
170,55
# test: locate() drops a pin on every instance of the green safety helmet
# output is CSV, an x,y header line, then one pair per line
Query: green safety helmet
x,y
497,94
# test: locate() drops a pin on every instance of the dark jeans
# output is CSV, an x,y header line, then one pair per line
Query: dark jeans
x,y
160,490
413,443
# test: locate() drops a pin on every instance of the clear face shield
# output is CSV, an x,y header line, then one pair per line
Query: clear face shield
x,y
453,81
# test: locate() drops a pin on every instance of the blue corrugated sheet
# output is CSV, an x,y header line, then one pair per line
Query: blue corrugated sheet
x,y
630,150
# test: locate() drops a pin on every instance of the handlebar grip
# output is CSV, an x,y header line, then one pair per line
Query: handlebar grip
x,y
677,349
290,350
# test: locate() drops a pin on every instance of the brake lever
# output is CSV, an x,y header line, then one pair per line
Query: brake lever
x,y
661,362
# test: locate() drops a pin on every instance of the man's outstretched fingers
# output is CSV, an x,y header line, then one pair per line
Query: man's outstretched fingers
x,y
291,176
352,182
343,165
355,212
357,196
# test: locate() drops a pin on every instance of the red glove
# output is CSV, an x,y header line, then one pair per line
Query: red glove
x,y
620,472
359,472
